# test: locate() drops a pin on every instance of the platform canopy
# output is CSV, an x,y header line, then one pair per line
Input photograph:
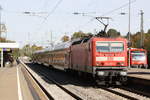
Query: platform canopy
x,y
9,45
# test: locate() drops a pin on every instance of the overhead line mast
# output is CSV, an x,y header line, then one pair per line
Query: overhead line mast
x,y
0,22
142,30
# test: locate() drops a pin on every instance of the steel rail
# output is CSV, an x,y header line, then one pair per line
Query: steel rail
x,y
136,91
48,79
36,81
60,86
119,93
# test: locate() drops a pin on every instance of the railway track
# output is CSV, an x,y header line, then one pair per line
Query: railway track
x,y
118,92
50,80
125,94
142,93
60,86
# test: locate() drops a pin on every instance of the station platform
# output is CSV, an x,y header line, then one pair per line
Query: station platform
x,y
13,85
139,73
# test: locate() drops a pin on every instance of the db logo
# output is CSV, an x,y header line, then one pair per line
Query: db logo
x,y
110,58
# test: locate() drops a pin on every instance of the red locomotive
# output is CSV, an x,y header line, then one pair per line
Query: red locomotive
x,y
104,58
138,58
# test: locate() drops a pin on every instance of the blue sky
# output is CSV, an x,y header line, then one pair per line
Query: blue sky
x,y
35,30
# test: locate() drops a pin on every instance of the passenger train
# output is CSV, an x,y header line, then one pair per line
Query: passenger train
x,y
138,58
105,59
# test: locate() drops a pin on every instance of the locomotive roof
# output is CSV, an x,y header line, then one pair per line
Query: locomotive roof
x,y
110,38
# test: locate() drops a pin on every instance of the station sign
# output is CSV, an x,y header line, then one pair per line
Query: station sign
x,y
5,49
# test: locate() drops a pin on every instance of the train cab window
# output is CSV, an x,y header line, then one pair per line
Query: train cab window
x,y
140,56
109,46
102,47
117,46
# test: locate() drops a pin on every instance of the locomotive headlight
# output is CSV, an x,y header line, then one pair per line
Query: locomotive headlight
x,y
97,64
120,63
123,73
100,73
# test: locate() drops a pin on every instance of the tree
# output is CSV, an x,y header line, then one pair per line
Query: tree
x,y
89,34
27,50
113,33
79,34
35,47
5,40
65,38
16,53
147,41
148,31
136,40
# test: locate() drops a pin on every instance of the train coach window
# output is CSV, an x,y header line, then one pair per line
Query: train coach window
x,y
85,40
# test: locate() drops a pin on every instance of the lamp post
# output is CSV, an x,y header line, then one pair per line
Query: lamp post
x,y
129,27
142,30
0,38
129,32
